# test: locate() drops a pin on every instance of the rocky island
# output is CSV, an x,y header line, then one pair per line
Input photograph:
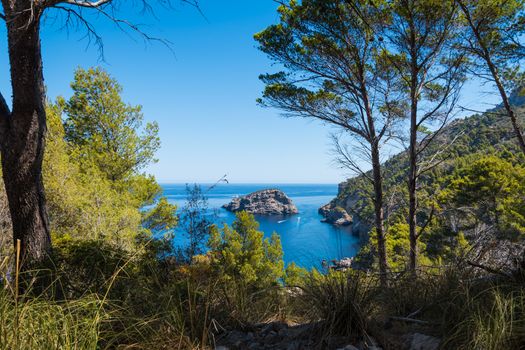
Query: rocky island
x,y
263,202
335,215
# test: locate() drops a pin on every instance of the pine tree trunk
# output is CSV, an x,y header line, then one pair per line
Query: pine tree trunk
x,y
23,132
412,207
379,215
412,156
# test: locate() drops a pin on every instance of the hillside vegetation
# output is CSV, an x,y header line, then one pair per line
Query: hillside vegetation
x,y
479,143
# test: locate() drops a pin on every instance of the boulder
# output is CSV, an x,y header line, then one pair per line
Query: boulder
x,y
420,341
348,347
342,265
335,215
264,202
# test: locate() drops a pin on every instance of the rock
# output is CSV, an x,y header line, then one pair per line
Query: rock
x,y
424,342
370,344
348,347
294,345
335,215
325,209
264,202
235,338
253,346
283,332
273,327
341,265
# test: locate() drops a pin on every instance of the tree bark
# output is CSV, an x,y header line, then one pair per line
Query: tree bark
x,y
23,132
412,152
378,188
412,198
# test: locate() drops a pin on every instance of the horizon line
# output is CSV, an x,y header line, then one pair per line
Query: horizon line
x,y
245,183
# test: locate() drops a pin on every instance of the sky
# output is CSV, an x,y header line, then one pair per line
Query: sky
x,y
202,91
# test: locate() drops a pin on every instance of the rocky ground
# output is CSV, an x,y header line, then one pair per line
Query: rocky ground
x,y
264,202
279,335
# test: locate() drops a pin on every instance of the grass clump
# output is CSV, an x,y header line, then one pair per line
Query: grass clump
x,y
489,318
341,302
38,323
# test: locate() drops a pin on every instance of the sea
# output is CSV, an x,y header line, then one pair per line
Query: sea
x,y
306,240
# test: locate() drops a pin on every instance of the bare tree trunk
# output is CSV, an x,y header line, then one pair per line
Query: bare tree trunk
x,y
379,215
23,132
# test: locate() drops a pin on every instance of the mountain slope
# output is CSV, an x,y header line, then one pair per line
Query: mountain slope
x,y
490,132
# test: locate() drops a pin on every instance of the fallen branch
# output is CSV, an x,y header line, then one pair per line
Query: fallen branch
x,y
411,320
489,269
415,313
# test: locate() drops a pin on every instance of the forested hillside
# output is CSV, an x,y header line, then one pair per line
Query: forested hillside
x,y
475,136
480,140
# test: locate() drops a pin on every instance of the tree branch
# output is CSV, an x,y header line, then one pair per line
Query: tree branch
x,y
427,222
481,112
410,320
345,160
489,269
73,15
73,9
2,16
87,3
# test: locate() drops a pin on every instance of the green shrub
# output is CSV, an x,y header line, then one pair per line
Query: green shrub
x,y
249,267
342,302
490,318
241,252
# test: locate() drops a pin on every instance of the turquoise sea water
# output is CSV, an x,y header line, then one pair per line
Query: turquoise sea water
x,y
305,239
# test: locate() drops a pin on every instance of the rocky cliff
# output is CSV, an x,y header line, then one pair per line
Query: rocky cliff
x,y
264,202
335,215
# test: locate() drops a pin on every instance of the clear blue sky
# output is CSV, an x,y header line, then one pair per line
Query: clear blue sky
x,y
202,95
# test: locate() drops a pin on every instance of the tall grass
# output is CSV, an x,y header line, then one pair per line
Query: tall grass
x,y
97,296
137,303
37,312
342,303
467,310
31,321
490,319
36,323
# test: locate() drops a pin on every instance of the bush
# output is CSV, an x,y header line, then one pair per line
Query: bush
x,y
249,268
241,253
342,302
489,318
